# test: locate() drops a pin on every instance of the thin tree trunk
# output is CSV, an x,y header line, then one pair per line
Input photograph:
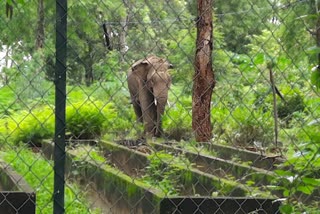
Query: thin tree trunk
x,y
88,75
123,31
9,9
8,65
123,42
8,57
89,65
107,40
40,28
204,77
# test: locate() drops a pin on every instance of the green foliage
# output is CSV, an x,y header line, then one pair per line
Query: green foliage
x,y
85,153
238,21
250,38
303,178
293,104
241,126
252,126
286,209
86,116
177,120
38,173
85,120
29,126
163,175
7,101
181,55
305,158
109,69
292,31
89,116
315,78
28,80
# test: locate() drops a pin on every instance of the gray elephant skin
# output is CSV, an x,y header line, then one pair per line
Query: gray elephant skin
x,y
149,82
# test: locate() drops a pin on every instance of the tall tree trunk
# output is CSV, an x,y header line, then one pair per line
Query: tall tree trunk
x,y
123,31
9,9
89,65
204,77
88,75
8,59
123,41
40,28
8,62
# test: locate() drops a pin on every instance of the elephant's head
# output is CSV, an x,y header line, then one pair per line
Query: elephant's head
x,y
154,81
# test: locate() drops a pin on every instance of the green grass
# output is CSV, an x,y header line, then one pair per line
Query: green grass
x,y
38,173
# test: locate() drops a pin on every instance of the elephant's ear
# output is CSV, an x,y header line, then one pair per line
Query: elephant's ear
x,y
139,63
150,79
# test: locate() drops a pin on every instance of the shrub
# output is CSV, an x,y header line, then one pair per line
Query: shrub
x,y
29,126
177,122
301,183
164,176
251,126
293,104
7,101
86,120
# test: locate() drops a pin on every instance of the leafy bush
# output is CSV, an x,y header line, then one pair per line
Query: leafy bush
x,y
108,67
8,104
293,104
86,120
165,177
303,176
29,126
177,121
251,126
112,100
31,84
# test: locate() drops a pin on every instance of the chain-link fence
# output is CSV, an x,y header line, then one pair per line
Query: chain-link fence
x,y
108,114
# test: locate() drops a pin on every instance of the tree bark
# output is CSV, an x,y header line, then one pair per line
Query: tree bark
x,y
8,62
123,31
204,77
89,65
40,28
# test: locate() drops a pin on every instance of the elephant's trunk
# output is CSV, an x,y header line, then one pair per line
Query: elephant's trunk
x,y
160,101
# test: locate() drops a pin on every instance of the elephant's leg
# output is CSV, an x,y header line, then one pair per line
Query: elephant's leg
x,y
159,131
160,111
161,95
149,112
133,85
137,109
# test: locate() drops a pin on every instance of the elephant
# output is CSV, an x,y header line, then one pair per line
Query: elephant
x,y
148,83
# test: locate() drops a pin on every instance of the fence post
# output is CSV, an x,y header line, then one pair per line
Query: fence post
x,y
60,106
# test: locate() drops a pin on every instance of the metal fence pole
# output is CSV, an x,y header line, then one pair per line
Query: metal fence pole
x,y
60,105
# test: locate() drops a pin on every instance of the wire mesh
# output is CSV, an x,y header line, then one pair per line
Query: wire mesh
x,y
130,132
